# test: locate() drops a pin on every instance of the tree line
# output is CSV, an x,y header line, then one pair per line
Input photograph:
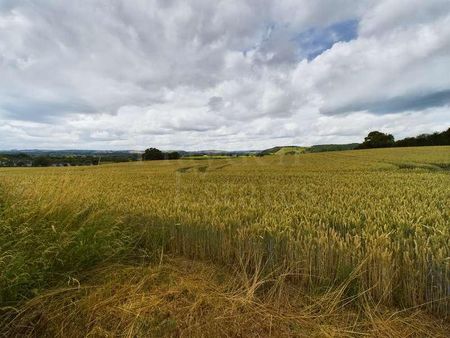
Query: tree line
x,y
25,160
377,139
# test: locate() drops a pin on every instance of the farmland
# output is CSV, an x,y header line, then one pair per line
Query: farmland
x,y
359,232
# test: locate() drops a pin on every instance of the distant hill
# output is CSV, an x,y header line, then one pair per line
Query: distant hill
x,y
284,150
46,158
70,152
217,153
331,147
295,150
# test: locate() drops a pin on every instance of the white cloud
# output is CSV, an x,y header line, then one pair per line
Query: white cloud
x,y
230,74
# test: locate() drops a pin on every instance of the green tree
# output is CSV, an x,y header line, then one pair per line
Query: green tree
x,y
173,155
152,154
41,161
376,139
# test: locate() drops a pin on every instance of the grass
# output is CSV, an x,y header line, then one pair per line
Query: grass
x,y
291,151
206,157
187,298
360,236
286,150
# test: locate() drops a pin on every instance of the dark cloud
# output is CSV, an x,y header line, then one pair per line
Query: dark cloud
x,y
412,102
215,103
27,109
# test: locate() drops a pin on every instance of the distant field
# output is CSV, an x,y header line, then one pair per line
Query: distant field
x,y
290,151
205,157
372,224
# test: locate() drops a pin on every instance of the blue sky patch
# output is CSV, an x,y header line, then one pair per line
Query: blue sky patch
x,y
315,41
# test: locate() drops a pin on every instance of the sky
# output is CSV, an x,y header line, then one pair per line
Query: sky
x,y
225,74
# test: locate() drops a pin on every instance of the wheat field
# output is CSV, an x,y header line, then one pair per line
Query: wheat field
x,y
373,224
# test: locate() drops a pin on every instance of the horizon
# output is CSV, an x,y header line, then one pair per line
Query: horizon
x,y
220,149
123,75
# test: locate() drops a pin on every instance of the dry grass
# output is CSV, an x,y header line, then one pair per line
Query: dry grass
x,y
183,298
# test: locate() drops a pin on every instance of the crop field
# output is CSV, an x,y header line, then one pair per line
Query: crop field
x,y
369,227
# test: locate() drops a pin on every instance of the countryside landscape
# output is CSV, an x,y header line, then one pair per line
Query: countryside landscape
x,y
310,244
225,168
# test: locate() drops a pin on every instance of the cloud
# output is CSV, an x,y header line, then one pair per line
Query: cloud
x,y
414,102
232,74
397,71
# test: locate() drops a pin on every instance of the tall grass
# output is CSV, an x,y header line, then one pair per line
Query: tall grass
x,y
315,219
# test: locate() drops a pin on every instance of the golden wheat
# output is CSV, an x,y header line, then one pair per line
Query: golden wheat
x,y
379,219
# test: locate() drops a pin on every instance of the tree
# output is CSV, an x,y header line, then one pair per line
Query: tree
x,y
435,139
376,139
175,155
152,154
41,161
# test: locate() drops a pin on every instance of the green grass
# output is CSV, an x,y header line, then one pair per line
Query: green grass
x,y
287,150
290,151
